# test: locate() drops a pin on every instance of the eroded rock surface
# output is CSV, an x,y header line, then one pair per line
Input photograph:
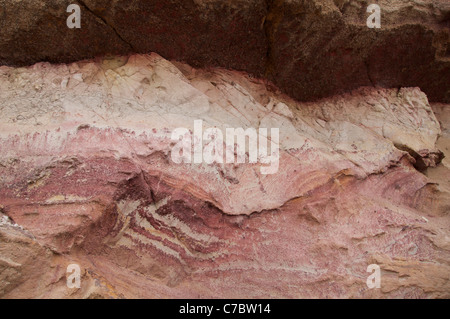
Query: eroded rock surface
x,y
309,48
86,177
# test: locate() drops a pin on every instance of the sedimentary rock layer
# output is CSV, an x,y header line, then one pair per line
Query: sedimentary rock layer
x,y
310,49
87,177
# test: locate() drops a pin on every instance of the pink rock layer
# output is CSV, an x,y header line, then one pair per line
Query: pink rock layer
x,y
86,177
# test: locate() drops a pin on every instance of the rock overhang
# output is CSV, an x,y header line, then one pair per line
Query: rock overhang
x,y
310,49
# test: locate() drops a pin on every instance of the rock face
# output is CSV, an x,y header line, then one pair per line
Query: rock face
x,y
310,49
87,176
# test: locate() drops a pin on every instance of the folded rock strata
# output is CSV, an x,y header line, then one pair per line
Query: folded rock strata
x,y
86,177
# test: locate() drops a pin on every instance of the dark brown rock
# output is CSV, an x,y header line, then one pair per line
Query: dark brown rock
x,y
310,49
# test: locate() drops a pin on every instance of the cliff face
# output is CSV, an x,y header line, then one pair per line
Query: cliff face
x,y
309,48
87,176
116,156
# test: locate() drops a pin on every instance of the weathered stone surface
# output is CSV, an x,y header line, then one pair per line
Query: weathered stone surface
x,y
325,47
310,49
86,171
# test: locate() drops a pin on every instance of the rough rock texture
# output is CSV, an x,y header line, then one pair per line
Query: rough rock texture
x,y
309,48
86,177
